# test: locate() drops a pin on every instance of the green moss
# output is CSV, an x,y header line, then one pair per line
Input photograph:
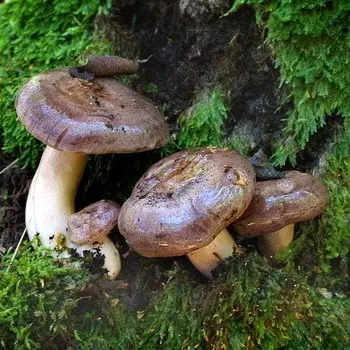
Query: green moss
x,y
202,125
107,325
336,220
310,42
241,142
37,297
173,321
46,304
251,305
35,36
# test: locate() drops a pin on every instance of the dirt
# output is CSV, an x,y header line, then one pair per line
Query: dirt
x,y
192,48
14,186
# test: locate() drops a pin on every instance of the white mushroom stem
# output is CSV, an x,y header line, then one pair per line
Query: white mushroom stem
x,y
111,257
206,259
51,201
272,243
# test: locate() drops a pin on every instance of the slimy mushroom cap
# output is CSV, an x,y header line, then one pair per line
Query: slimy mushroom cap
x,y
278,203
102,116
92,223
182,202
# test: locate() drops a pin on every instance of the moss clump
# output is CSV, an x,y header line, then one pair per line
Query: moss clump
x,y
105,325
202,125
44,304
37,298
35,36
251,305
310,41
336,220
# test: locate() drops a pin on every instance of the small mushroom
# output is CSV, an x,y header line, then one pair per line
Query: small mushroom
x,y
75,118
277,205
92,225
183,204
105,66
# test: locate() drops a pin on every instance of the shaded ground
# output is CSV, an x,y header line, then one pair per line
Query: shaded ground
x,y
14,185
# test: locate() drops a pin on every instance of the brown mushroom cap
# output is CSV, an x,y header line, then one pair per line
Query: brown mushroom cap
x,y
182,202
103,116
278,203
93,222
107,66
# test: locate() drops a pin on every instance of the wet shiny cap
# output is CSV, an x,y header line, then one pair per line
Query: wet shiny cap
x,y
278,203
102,116
93,222
182,202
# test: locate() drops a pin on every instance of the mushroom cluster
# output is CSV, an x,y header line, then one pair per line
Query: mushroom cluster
x,y
75,117
183,204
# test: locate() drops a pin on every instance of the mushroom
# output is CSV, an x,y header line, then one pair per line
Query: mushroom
x,y
183,204
105,66
75,118
92,225
277,205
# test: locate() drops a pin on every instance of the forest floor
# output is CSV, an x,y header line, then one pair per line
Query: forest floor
x,y
220,73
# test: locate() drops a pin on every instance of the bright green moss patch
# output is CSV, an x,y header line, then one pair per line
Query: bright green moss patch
x,y
336,220
44,304
37,297
202,125
35,36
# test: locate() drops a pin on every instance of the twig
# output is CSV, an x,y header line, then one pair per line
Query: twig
x,y
9,166
16,250
145,60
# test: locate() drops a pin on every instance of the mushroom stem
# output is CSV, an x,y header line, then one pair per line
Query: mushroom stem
x,y
274,242
52,194
51,201
112,258
206,259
